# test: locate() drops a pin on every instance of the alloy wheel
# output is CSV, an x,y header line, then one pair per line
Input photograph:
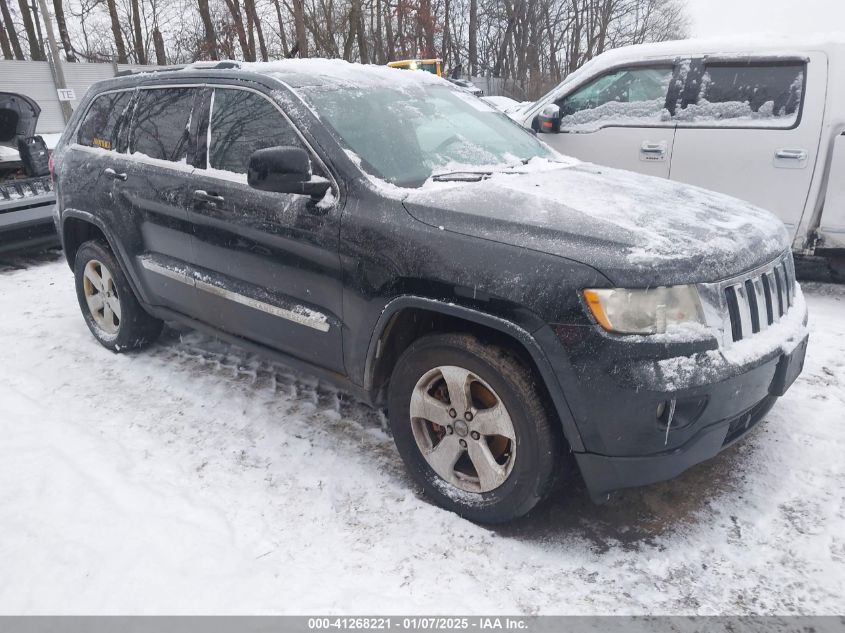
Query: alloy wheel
x,y
463,429
101,296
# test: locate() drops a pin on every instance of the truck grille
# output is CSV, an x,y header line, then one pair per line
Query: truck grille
x,y
761,299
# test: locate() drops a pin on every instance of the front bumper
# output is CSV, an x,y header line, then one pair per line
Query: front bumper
x,y
761,385
646,411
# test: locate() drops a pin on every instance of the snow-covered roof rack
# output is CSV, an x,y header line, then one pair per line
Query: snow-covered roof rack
x,y
220,65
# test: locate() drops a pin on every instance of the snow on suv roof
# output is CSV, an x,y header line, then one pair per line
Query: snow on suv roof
x,y
316,72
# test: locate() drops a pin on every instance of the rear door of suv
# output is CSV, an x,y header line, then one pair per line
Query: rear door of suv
x,y
267,264
96,154
751,127
151,187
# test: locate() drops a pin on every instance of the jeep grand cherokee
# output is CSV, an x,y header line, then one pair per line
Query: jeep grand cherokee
x,y
510,307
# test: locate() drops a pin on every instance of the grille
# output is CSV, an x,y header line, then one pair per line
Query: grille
x,y
761,299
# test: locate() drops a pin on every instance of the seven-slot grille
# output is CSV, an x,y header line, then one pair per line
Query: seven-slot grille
x,y
758,301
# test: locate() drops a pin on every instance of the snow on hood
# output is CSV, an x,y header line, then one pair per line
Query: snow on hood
x,y
637,230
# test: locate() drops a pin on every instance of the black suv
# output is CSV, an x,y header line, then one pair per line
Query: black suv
x,y
391,233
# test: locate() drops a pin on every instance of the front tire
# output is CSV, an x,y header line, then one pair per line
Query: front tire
x,y
109,306
470,423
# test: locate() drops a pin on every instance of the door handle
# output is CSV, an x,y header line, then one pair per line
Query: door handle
x,y
791,154
655,152
653,148
108,172
204,196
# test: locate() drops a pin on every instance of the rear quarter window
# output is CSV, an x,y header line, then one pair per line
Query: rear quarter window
x,y
747,95
102,123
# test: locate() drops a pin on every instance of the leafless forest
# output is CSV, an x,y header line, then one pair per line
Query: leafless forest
x,y
532,42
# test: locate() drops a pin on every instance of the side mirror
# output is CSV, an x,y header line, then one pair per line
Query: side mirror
x,y
284,170
549,118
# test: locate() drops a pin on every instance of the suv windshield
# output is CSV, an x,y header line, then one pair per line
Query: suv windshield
x,y
406,134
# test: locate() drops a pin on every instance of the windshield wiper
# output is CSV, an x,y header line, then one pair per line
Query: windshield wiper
x,y
461,176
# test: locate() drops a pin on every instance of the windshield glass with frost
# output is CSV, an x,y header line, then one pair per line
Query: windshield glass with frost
x,y
404,135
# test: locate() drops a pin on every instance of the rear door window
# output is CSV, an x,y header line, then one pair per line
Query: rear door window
x,y
627,96
161,122
104,120
747,95
241,123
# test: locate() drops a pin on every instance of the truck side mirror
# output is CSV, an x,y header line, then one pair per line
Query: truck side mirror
x,y
549,119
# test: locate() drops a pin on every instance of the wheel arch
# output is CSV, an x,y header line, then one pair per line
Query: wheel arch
x,y
407,318
80,226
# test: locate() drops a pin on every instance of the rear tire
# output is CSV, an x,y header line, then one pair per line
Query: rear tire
x,y
109,306
455,404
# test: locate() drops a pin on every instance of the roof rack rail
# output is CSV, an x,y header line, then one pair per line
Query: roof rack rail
x,y
221,65
214,65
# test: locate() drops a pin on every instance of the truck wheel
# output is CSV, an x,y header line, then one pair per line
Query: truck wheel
x,y
471,426
109,306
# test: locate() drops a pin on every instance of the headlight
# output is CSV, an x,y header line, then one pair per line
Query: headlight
x,y
644,311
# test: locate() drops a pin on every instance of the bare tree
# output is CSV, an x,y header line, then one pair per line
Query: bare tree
x,y
299,24
35,51
240,28
208,26
282,36
473,37
137,35
4,42
117,32
528,45
9,27
255,22
64,36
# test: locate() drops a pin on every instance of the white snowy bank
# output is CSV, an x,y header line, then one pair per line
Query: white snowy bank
x,y
195,477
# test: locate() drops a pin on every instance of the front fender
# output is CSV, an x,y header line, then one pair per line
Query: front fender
x,y
516,332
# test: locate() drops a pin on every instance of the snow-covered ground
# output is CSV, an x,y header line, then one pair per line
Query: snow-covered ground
x,y
196,477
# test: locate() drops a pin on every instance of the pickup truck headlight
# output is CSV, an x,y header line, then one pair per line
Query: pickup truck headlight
x,y
644,311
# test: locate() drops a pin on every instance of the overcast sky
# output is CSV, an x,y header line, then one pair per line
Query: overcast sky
x,y
796,17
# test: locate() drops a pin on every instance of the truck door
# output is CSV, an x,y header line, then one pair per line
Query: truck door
x,y
751,128
622,118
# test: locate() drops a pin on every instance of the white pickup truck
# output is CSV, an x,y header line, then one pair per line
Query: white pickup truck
x,y
764,122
